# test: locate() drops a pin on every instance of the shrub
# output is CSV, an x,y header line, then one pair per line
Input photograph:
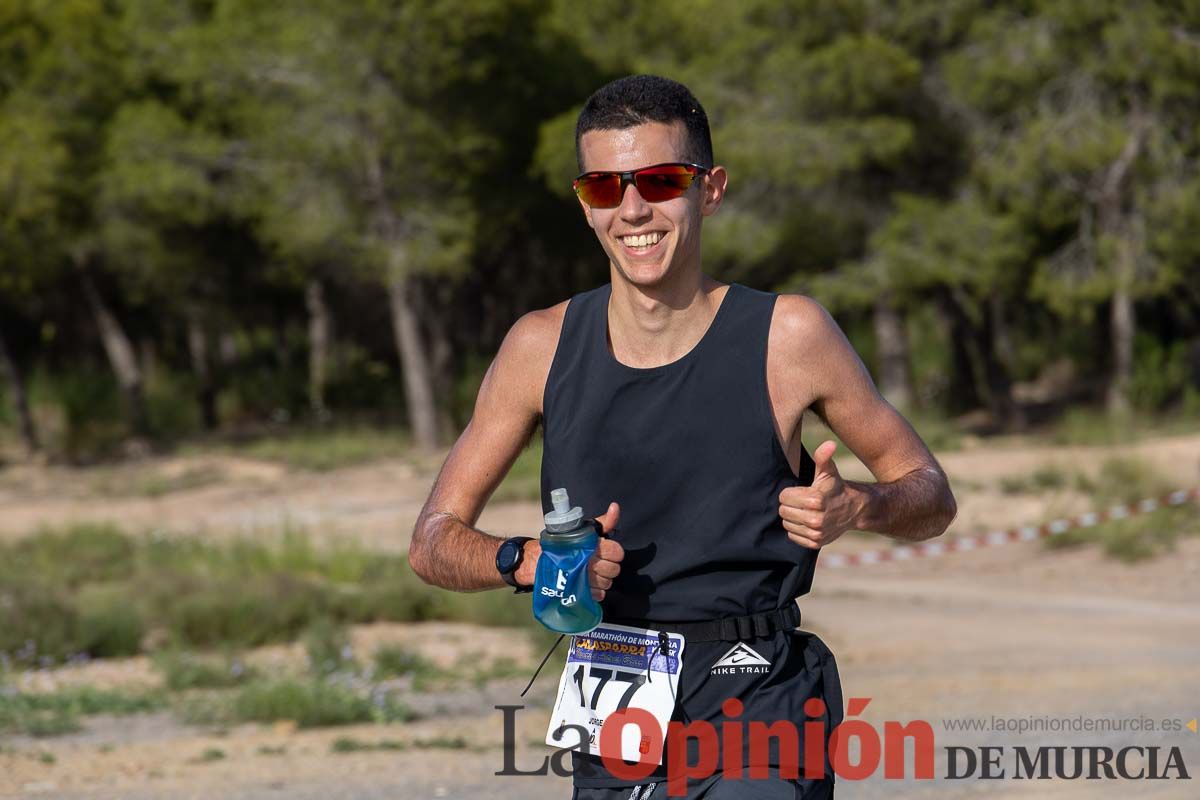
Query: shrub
x,y
189,671
56,713
210,755
310,704
109,626
81,553
1045,477
393,661
1160,372
35,623
171,404
442,743
246,612
91,589
1123,479
327,645
91,406
345,744
1134,539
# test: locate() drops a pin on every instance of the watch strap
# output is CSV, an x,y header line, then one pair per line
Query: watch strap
x,y
510,576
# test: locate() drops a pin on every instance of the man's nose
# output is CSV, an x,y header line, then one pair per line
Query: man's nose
x,y
633,205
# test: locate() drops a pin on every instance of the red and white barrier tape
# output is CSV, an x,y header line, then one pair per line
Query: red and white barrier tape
x,y
959,544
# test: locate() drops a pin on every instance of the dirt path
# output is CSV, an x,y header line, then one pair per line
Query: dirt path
x,y
378,503
1015,631
932,640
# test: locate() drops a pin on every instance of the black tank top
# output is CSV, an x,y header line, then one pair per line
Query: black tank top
x,y
689,451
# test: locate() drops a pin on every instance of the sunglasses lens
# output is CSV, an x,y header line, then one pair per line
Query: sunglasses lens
x,y
600,191
657,184
654,184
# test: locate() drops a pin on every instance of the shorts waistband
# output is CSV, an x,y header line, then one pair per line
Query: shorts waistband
x,y
726,629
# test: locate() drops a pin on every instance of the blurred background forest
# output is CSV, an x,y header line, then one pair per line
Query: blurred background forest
x,y
232,216
273,245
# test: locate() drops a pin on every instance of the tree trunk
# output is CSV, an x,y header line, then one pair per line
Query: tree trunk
x,y
1118,223
319,339
1122,324
891,342
20,400
403,300
120,356
414,361
206,389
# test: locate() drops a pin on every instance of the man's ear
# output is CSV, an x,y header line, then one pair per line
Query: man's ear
x,y
587,212
715,183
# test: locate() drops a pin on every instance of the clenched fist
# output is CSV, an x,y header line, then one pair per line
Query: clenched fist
x,y
818,514
605,563
603,566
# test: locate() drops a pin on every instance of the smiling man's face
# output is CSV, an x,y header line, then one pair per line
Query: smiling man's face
x,y
671,227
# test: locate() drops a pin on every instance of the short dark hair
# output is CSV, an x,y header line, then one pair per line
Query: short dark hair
x,y
638,99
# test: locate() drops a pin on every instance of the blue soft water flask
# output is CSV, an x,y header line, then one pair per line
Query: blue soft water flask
x,y
562,597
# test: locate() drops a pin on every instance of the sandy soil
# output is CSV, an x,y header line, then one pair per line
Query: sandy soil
x,y
1012,631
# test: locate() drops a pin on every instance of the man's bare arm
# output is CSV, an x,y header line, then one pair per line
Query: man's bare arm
x,y
911,499
915,506
473,565
447,550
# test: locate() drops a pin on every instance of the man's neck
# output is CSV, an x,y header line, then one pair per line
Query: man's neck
x,y
654,325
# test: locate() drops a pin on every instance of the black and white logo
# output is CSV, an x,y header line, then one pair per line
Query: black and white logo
x,y
740,660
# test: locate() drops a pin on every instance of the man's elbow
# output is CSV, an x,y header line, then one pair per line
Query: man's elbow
x,y
419,555
944,514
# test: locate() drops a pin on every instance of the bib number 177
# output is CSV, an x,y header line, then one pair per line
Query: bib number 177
x,y
617,668
604,675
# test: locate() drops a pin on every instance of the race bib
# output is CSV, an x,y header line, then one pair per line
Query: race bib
x,y
615,667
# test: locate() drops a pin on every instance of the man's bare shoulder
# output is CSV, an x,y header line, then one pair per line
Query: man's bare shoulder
x,y
799,323
534,336
528,351
808,356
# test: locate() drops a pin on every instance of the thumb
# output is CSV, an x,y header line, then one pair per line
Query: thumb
x,y
823,459
609,518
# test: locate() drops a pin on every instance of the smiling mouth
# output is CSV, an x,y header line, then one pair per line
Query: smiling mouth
x,y
642,242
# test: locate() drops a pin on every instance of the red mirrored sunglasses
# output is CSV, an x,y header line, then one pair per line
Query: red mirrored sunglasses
x,y
655,184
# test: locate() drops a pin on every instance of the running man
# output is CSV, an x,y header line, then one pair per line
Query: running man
x,y
671,405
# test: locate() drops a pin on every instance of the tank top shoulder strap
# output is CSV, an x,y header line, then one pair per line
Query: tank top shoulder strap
x,y
741,344
745,323
738,346
572,356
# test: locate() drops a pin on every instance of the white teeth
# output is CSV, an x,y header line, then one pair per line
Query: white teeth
x,y
645,240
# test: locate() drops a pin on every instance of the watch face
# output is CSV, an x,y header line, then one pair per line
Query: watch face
x,y
506,557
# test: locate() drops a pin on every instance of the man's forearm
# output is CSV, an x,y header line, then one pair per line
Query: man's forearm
x,y
449,553
917,506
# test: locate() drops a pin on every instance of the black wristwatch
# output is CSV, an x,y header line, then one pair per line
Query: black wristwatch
x,y
508,559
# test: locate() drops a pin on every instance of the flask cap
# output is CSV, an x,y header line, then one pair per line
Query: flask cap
x,y
563,517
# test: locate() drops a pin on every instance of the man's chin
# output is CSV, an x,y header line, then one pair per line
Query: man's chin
x,y
645,276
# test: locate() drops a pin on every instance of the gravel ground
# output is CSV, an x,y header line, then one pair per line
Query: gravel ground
x,y
1014,631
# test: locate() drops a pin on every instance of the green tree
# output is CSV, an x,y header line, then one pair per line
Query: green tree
x,y
821,111
1085,131
31,164
385,140
68,71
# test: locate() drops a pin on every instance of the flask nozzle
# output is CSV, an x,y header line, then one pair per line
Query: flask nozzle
x,y
563,517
